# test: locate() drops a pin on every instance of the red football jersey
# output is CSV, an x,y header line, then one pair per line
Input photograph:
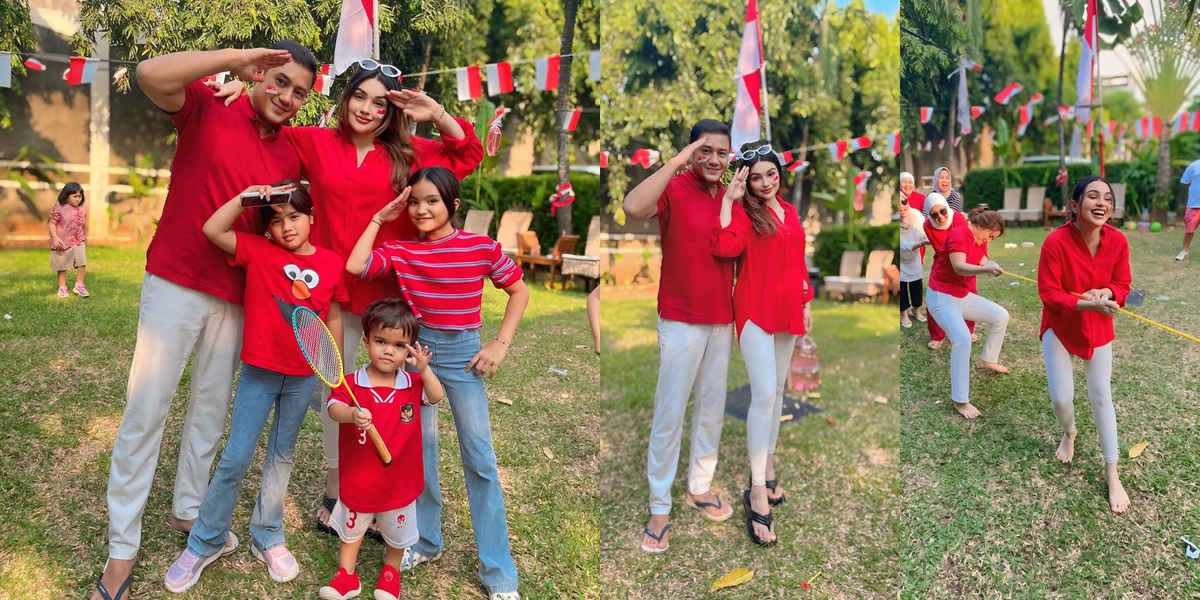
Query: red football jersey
x,y
366,485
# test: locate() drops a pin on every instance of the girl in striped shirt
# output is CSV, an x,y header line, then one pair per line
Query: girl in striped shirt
x,y
441,276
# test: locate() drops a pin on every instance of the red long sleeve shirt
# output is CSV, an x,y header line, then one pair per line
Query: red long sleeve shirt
x,y
942,276
937,238
772,280
346,195
1066,265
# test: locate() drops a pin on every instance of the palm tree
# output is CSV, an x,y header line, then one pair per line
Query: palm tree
x,y
570,8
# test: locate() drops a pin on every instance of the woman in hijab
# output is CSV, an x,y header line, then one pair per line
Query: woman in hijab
x,y
943,183
908,191
912,248
937,227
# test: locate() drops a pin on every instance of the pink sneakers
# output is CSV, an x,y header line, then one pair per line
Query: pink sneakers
x,y
281,565
81,291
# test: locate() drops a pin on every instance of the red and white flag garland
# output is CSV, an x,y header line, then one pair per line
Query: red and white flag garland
x,y
1008,92
324,80
546,73
562,197
645,157
572,120
469,87
499,78
926,113
604,160
5,69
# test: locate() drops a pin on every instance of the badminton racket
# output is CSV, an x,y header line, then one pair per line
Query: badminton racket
x,y
321,352
1122,311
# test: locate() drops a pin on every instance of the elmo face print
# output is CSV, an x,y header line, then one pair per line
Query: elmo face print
x,y
303,281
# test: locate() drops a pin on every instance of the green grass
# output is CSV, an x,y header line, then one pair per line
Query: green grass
x,y
988,510
839,469
65,364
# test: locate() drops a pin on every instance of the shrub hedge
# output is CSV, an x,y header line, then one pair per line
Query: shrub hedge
x,y
832,241
532,192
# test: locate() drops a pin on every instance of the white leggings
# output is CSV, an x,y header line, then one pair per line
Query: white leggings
x,y
767,357
1099,384
352,334
952,314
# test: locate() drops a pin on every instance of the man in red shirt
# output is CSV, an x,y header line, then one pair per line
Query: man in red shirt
x,y
191,295
695,323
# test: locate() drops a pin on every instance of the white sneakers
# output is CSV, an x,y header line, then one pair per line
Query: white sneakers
x,y
1182,255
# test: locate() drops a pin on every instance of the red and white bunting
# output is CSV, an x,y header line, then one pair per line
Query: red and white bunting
x,y
324,81
572,120
1148,127
469,87
562,197
837,150
957,139
926,113
35,64
928,146
119,75
785,157
492,144
604,160
861,142
798,166
1008,92
941,144
644,157
1064,113
894,142
976,111
5,69
546,74
499,78
1090,128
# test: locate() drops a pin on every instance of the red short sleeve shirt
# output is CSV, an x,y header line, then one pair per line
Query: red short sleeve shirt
x,y
695,286
217,156
277,281
366,484
943,278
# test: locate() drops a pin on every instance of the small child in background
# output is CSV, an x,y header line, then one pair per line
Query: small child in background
x,y
68,238
391,400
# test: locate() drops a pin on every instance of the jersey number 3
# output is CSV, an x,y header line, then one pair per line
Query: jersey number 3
x,y
362,436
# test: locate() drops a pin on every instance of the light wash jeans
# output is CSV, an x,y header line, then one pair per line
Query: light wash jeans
x,y
452,350
258,392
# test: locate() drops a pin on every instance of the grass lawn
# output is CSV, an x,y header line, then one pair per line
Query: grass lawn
x,y
987,509
65,363
839,469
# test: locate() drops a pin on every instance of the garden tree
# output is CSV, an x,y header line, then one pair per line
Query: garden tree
x,y
570,9
675,65
16,35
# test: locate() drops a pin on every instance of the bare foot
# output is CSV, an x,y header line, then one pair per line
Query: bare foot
x,y
1066,448
759,504
935,344
323,514
181,526
657,524
968,411
997,367
115,573
708,497
1118,500
974,337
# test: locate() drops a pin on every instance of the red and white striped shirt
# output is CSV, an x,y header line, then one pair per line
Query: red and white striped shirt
x,y
442,280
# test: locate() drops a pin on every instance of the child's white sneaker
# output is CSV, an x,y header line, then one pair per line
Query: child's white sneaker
x,y
413,558
505,596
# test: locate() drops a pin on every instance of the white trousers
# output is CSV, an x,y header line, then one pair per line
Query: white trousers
x,y
1099,384
173,323
690,357
952,314
352,334
767,357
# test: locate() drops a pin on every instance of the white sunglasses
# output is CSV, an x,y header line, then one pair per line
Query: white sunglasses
x,y
371,65
759,151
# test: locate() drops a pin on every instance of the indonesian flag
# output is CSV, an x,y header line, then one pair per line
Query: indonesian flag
x,y
218,78
469,87
1121,138
499,76
604,160
976,111
837,150
894,142
1007,93
645,157
355,34
1064,113
572,120
798,166
1112,128
926,113
545,72
747,123
35,64
957,139
1196,121
82,70
860,180
1087,63
859,143
785,157
1090,131
1148,127
324,80
970,64
1025,118
1049,120
1181,122
928,146
941,144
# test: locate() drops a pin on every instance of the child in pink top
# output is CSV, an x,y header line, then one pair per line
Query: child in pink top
x,y
68,238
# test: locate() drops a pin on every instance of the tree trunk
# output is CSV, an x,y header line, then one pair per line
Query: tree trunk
x,y
564,98
1062,144
798,185
1162,188
425,60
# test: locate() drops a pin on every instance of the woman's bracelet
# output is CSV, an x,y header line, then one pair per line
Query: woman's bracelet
x,y
377,222
506,345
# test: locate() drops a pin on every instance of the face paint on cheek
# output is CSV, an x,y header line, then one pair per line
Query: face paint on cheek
x,y
380,114
702,159
271,90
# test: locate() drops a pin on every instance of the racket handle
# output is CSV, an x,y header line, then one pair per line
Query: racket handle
x,y
383,451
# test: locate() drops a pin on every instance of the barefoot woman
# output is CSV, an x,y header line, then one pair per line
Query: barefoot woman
x,y
1091,258
952,301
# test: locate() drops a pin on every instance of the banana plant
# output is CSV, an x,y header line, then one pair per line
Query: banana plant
x,y
845,203
22,176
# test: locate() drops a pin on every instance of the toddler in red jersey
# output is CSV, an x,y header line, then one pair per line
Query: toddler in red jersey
x,y
391,400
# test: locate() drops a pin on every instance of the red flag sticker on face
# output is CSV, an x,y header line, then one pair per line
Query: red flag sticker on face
x,y
271,90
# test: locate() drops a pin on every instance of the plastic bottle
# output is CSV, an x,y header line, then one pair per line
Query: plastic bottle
x,y
805,371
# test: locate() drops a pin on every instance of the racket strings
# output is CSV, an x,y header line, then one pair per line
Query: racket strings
x,y
317,344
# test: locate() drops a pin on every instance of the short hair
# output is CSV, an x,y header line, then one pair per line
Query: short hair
x,y
69,189
705,126
300,200
447,186
390,313
300,55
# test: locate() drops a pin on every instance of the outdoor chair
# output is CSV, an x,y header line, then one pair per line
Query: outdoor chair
x,y
529,253
873,284
586,265
512,222
891,285
1033,204
478,221
1118,190
850,269
1012,204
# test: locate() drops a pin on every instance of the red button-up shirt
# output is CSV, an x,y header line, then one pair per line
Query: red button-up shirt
x,y
937,237
942,277
346,195
772,281
695,286
1066,265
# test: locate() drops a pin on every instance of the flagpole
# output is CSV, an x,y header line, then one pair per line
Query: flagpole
x,y
762,69
375,30
1099,93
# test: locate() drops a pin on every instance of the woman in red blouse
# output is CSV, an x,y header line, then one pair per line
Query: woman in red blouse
x,y
942,219
1088,257
952,300
356,168
770,309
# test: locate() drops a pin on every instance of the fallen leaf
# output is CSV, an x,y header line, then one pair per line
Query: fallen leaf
x,y
812,394
735,577
881,399
1137,449
549,453
831,420
505,401
785,418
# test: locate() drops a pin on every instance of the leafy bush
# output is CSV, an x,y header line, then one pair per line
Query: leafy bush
x,y
834,239
532,192
986,185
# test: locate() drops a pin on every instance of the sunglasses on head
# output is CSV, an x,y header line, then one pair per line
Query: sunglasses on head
x,y
759,151
904,201
370,65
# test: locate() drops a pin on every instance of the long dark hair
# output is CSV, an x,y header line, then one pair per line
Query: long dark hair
x,y
1080,190
69,189
756,208
447,186
393,132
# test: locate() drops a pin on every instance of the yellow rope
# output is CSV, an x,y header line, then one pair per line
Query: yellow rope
x,y
1122,311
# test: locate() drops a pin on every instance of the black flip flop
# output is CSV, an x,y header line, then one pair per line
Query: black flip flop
x,y
771,485
657,538
322,527
104,591
753,517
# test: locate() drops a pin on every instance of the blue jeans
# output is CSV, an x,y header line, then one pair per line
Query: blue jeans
x,y
452,350
258,391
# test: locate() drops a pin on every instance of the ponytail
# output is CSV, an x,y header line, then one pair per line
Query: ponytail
x,y
984,218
